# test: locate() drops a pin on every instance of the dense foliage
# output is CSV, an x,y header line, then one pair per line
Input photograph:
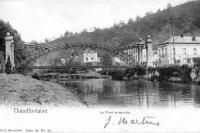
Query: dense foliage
x,y
4,28
8,69
182,19
165,73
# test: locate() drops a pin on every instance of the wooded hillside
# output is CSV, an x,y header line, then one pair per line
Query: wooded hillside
x,y
184,19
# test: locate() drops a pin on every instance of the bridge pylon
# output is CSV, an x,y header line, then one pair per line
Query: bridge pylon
x,y
10,49
149,51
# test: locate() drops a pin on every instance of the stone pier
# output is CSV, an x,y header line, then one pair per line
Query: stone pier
x,y
10,49
149,54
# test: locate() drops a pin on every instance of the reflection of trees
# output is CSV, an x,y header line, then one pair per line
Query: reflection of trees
x,y
107,88
196,94
136,93
172,93
165,91
150,94
139,92
147,86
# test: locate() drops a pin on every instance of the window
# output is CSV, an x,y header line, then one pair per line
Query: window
x,y
159,51
195,51
184,60
174,51
162,51
184,51
132,51
144,56
165,51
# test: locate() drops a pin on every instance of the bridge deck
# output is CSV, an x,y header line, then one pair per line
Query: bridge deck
x,y
81,66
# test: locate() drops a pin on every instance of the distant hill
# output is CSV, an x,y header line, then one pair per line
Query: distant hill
x,y
183,19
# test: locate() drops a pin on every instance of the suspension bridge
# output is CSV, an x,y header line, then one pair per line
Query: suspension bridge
x,y
36,51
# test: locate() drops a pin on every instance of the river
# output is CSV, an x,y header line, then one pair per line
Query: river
x,y
142,94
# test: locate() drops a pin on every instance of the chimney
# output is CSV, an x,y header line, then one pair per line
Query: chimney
x,y
193,38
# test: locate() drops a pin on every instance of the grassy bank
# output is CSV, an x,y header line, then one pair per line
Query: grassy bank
x,y
16,89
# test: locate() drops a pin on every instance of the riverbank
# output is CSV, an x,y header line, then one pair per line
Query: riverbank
x,y
62,78
16,89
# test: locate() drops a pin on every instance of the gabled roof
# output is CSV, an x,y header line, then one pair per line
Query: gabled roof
x,y
89,51
182,40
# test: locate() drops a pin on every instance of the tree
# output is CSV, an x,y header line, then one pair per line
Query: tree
x,y
18,48
8,69
106,60
130,21
46,40
169,6
184,18
197,61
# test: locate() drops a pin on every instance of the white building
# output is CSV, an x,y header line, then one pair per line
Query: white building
x,y
118,61
90,56
142,52
179,50
139,56
155,58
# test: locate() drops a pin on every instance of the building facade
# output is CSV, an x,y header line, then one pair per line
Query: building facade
x,y
142,52
89,56
179,50
155,58
138,54
117,61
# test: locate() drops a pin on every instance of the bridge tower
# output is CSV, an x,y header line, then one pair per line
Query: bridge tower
x,y
141,44
10,49
149,49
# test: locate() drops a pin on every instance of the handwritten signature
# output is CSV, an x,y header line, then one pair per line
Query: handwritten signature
x,y
146,120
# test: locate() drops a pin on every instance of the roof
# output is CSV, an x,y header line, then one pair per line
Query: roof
x,y
89,51
182,40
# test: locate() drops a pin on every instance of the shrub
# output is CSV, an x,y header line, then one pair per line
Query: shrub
x,y
8,69
175,71
168,72
117,74
35,76
186,73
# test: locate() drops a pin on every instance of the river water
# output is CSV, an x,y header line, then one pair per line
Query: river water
x,y
142,94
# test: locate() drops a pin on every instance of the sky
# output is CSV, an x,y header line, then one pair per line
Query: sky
x,y
40,19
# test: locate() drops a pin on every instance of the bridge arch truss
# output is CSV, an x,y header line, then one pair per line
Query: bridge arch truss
x,y
44,50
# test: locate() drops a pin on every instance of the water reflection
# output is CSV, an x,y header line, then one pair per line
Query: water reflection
x,y
145,94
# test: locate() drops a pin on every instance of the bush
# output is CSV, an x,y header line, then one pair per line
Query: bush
x,y
35,76
175,71
130,72
8,69
168,72
117,74
186,73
